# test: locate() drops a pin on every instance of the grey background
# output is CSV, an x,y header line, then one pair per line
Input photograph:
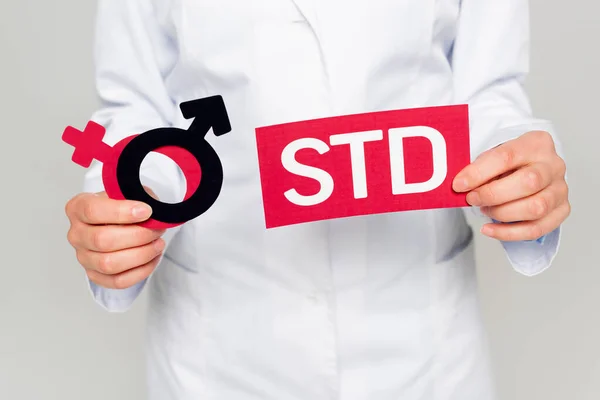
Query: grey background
x,y
55,343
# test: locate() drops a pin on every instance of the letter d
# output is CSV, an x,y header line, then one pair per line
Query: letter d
x,y
440,167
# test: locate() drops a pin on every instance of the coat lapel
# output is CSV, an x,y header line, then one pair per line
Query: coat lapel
x,y
308,9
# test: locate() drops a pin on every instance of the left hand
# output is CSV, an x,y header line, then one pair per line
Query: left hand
x,y
521,181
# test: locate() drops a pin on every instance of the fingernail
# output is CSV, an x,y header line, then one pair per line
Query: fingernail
x,y
485,211
142,211
487,230
461,184
474,199
159,245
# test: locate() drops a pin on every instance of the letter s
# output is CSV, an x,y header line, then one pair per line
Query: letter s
x,y
288,160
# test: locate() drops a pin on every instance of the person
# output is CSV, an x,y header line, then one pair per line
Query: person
x,y
372,307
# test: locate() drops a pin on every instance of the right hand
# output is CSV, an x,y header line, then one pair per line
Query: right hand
x,y
114,251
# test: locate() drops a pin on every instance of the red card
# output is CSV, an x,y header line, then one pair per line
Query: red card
x,y
362,164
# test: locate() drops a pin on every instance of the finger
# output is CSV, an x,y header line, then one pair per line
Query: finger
x,y
120,261
522,183
530,208
125,279
530,230
97,209
489,165
529,147
109,238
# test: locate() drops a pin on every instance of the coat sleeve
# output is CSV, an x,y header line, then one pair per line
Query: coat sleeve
x,y
132,57
490,61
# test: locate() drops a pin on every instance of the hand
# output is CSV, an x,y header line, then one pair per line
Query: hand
x,y
114,251
521,181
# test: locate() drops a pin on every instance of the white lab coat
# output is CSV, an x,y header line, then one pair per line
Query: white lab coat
x,y
379,307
